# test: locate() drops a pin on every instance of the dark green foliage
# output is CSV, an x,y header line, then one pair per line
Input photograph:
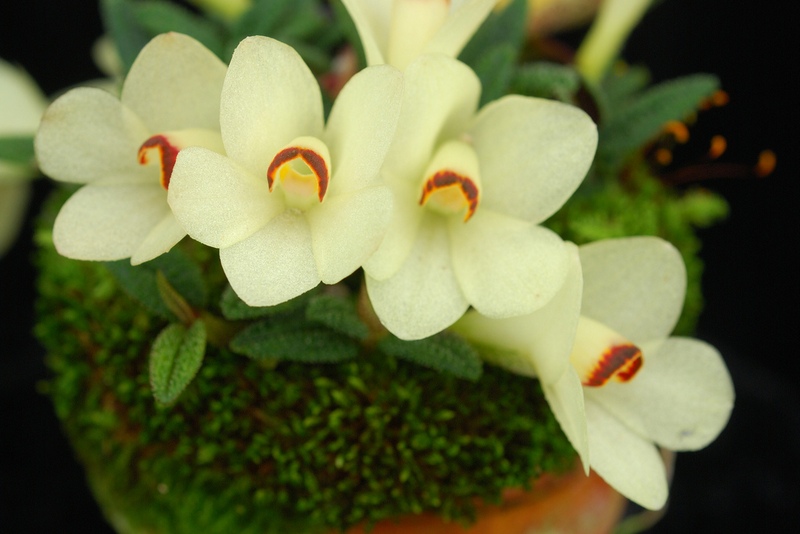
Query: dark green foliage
x,y
234,308
119,19
301,24
175,358
443,352
160,16
626,128
293,341
495,69
140,282
338,314
546,80
493,50
16,149
501,28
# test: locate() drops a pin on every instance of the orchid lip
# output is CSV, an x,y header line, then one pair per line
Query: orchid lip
x,y
167,154
453,190
618,362
601,355
452,180
302,170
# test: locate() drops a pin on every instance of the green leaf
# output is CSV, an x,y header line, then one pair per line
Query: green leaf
x,y
119,19
175,358
495,69
286,340
156,16
299,23
17,149
617,88
503,28
139,281
546,80
444,352
338,314
235,309
631,127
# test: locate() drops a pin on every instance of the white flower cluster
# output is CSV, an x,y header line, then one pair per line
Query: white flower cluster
x,y
438,201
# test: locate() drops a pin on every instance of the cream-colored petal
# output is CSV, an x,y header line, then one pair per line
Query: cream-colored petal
x,y
506,266
361,127
628,462
372,20
175,83
346,230
565,397
533,152
273,265
413,26
14,197
269,98
681,398
439,99
633,285
539,343
108,222
401,233
22,103
218,202
423,297
165,235
88,135
464,20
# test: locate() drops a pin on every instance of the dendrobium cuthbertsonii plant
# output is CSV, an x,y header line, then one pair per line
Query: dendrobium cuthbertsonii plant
x,y
295,201
470,190
629,387
397,31
124,150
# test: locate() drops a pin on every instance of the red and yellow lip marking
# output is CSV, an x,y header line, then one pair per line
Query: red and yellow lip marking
x,y
455,191
167,154
618,362
281,167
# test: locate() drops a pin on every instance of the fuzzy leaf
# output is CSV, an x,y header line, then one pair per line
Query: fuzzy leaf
x,y
284,340
236,309
546,80
444,352
495,69
500,29
295,22
175,358
617,88
140,281
17,149
635,124
338,314
156,16
119,19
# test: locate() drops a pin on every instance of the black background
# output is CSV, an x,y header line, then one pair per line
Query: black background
x,y
747,480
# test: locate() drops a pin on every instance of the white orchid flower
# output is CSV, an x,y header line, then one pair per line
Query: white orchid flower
x,y
538,345
641,388
397,31
296,201
470,189
21,107
124,150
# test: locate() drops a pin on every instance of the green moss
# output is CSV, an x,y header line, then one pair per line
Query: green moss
x,y
294,448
